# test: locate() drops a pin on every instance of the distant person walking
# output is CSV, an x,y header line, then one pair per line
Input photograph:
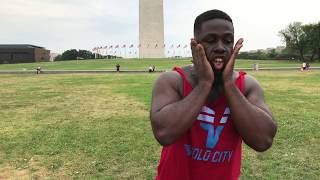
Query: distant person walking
x,y
38,70
118,67
151,68
307,66
304,66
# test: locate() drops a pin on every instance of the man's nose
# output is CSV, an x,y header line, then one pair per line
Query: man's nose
x,y
219,48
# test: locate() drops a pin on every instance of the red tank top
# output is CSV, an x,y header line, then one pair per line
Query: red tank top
x,y
211,148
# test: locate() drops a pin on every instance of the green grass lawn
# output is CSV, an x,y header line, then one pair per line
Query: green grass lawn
x,y
97,127
138,64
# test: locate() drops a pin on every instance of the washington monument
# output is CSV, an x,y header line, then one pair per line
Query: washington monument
x,y
151,31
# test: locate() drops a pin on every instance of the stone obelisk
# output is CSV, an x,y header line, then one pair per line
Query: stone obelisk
x,y
151,30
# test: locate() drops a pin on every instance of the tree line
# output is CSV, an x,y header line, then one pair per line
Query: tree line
x,y
302,43
74,54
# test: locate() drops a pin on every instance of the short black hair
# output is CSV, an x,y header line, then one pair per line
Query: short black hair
x,y
208,15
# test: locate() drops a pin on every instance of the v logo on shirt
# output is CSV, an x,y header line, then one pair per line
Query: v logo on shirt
x,y
208,116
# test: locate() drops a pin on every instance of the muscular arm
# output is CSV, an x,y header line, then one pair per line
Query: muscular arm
x,y
250,114
172,115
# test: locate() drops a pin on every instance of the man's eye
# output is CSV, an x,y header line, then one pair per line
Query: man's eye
x,y
210,40
228,41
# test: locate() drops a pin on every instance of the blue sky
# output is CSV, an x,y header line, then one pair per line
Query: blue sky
x,y
59,25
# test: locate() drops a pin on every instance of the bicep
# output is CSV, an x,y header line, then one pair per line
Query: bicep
x,y
255,95
165,91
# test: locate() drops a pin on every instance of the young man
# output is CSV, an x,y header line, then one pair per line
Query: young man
x,y
202,112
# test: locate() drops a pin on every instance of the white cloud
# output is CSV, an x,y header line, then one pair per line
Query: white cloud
x,y
61,25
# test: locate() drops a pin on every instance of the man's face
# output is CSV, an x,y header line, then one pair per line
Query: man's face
x,y
217,38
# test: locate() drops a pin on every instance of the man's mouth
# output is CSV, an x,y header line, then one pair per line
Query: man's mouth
x,y
218,60
218,63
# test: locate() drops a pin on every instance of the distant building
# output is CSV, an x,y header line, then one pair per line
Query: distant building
x,y
22,53
262,50
279,49
253,51
53,56
269,50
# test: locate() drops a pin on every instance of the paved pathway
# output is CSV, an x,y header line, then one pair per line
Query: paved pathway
x,y
133,71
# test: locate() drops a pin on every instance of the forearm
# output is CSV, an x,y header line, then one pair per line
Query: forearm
x,y
255,126
173,120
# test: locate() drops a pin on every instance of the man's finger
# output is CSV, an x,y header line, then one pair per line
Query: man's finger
x,y
236,49
202,54
238,45
199,48
234,54
193,45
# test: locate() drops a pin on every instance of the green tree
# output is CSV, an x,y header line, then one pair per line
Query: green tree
x,y
243,55
58,58
295,38
272,54
84,54
312,32
71,54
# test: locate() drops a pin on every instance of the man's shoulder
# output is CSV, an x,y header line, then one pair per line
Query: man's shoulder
x,y
174,74
174,79
169,78
169,75
249,79
250,83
